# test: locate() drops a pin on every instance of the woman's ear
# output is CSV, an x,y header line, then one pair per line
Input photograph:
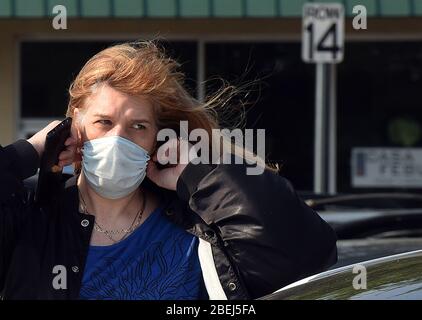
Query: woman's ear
x,y
77,127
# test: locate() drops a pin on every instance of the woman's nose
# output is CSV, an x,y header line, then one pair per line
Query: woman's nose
x,y
117,130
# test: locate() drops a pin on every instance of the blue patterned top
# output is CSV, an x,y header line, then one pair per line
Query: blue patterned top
x,y
159,260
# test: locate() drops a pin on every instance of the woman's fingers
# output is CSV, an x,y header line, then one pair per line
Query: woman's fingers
x,y
70,141
168,153
69,155
154,174
175,155
165,178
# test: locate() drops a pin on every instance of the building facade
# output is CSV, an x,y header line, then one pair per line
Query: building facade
x,y
378,84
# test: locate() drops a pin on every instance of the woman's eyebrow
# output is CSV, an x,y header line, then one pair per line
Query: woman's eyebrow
x,y
141,120
101,115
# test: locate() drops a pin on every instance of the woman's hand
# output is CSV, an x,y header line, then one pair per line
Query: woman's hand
x,y
67,156
168,176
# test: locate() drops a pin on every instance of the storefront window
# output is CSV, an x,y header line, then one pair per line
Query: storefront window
x,y
48,68
380,110
284,99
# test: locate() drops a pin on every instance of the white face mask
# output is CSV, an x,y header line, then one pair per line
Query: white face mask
x,y
114,166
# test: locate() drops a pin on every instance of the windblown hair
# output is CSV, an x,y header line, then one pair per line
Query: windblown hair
x,y
143,69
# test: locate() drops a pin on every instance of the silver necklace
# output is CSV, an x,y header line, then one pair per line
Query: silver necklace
x,y
110,233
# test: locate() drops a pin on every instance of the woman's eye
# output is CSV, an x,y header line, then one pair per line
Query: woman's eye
x,y
138,126
104,122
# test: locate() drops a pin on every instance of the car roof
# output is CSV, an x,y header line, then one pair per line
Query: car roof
x,y
325,285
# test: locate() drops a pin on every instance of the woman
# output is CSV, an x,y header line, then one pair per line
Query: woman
x,y
125,227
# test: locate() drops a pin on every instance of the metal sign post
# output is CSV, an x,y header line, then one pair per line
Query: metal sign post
x,y
323,44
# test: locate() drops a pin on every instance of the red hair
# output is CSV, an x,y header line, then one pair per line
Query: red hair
x,y
143,69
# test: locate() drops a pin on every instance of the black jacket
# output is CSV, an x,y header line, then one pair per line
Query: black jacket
x,y
262,236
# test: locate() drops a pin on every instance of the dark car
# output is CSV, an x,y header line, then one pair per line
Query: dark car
x,y
371,225
397,277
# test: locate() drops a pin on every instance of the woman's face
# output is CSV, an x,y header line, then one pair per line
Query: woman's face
x,y
108,112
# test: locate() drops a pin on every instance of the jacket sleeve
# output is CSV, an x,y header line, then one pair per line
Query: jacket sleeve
x,y
270,234
18,161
